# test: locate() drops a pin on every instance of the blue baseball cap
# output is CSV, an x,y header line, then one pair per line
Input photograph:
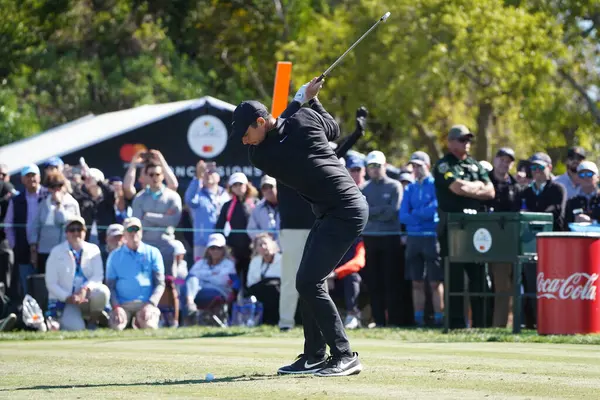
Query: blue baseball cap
x,y
354,162
30,169
54,162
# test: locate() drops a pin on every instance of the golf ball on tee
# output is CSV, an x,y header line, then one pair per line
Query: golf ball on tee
x,y
209,377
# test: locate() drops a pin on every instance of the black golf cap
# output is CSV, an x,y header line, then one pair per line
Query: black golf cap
x,y
576,152
506,151
245,114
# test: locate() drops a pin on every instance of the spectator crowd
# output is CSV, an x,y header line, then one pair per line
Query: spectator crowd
x,y
106,251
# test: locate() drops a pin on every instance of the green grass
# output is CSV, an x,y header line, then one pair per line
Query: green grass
x,y
406,335
399,363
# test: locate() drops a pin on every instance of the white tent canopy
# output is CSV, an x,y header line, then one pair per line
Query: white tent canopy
x,y
89,130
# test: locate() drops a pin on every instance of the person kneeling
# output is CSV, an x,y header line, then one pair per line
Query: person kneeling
x,y
135,274
264,276
74,275
209,284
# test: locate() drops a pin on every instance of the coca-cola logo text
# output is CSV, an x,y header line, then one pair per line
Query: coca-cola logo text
x,y
578,286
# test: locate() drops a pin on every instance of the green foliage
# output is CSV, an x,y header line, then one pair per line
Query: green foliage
x,y
517,72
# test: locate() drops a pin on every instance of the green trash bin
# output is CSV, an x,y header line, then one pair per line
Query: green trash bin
x,y
506,237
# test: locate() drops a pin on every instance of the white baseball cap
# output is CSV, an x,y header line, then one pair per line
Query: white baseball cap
x,y
216,240
268,180
237,177
375,157
96,174
587,166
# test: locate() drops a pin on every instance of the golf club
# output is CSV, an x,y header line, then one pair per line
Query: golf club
x,y
382,19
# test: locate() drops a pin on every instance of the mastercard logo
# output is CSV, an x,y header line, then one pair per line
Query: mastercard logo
x,y
128,150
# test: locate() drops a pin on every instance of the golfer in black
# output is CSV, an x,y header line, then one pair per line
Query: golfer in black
x,y
295,150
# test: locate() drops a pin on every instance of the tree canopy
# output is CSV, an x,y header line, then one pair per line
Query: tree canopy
x,y
518,73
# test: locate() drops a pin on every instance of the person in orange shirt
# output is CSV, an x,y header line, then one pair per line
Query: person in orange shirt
x,y
348,280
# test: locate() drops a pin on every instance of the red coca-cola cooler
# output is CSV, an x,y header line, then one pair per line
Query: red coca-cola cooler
x,y
567,283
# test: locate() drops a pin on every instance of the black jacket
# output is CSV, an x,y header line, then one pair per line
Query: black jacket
x,y
508,195
589,206
101,210
238,241
552,199
297,153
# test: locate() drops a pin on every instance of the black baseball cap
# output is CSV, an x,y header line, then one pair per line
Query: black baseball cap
x,y
506,151
576,152
245,114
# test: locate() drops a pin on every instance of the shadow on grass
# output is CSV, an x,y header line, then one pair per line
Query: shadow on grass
x,y
227,379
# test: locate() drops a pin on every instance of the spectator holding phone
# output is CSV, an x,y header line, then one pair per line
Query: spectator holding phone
x,y
159,208
141,159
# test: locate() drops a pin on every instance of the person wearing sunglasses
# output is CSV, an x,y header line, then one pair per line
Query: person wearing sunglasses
x,y
542,195
74,275
586,206
461,182
135,275
545,194
569,179
159,208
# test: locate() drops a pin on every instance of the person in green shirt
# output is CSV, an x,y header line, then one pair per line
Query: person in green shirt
x,y
461,183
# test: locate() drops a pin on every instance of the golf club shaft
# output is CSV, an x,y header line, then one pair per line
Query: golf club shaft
x,y
324,74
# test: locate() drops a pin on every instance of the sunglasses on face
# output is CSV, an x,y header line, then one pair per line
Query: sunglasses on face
x,y
465,140
133,229
214,248
75,229
537,167
357,169
586,174
373,165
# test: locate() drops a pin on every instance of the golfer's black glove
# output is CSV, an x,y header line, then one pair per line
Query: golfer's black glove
x,y
361,119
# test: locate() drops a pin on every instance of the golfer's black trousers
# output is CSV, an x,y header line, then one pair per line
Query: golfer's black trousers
x,y
329,239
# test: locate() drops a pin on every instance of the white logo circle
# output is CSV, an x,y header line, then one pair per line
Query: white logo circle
x,y
482,240
207,136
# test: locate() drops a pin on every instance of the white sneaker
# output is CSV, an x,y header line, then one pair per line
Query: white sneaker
x,y
351,322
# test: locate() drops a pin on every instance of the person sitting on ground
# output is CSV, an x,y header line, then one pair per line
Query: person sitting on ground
x,y
74,275
135,275
209,284
169,303
345,279
264,276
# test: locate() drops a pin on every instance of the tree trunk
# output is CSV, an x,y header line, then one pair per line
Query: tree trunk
x,y
484,123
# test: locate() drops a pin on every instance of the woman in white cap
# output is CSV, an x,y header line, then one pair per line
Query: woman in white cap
x,y
233,220
209,283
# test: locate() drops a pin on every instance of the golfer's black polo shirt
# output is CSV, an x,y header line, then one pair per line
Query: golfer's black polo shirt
x,y
297,153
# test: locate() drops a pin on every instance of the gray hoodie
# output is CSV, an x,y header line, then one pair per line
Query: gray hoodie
x,y
384,197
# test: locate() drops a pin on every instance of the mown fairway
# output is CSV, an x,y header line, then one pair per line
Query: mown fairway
x,y
409,364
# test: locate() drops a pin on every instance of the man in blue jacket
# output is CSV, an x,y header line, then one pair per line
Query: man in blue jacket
x,y
418,212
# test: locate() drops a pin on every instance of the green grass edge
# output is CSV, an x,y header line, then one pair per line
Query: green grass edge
x,y
400,334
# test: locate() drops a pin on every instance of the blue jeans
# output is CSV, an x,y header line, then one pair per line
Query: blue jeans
x,y
25,270
202,296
